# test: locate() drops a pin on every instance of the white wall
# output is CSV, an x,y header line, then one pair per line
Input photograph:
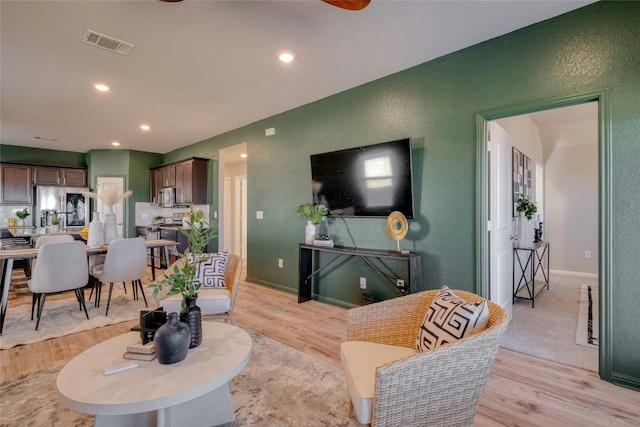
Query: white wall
x,y
571,195
568,150
231,170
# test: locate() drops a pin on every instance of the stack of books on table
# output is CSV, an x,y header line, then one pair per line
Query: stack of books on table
x,y
141,352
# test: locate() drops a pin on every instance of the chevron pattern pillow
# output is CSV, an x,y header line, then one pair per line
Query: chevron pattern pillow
x,y
211,271
450,318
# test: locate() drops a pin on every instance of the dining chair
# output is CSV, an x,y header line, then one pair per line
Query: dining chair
x,y
53,238
126,261
61,267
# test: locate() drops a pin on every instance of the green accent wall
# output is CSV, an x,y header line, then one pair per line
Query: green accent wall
x,y
595,48
134,167
38,156
591,49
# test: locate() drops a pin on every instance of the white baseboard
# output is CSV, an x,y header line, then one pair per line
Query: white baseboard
x,y
574,273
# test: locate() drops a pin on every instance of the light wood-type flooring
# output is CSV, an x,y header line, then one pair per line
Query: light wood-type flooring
x,y
521,391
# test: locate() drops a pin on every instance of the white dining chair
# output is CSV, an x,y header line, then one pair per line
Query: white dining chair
x,y
61,267
126,261
54,238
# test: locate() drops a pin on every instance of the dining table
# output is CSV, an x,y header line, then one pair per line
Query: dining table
x,y
13,253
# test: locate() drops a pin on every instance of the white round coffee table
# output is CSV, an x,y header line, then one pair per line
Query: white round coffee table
x,y
193,392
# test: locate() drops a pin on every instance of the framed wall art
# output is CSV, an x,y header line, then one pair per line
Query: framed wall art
x,y
518,177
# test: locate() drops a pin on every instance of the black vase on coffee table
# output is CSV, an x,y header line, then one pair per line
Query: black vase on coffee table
x,y
192,316
172,341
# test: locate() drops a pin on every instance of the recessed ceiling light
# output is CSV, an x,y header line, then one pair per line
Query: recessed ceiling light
x,y
115,143
101,87
286,56
145,127
243,155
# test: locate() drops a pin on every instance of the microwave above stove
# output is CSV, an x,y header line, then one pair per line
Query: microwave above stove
x,y
167,197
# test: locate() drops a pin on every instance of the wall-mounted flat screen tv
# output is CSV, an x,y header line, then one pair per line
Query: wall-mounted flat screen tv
x,y
369,181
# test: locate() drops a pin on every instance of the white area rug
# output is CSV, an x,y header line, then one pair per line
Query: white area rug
x,y
63,317
587,332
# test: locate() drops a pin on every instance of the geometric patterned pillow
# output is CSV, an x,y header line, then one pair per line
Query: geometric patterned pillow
x,y
211,271
450,318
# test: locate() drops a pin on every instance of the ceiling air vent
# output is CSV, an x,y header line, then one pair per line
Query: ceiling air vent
x,y
108,43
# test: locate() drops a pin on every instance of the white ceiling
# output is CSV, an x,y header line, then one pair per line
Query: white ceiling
x,y
202,68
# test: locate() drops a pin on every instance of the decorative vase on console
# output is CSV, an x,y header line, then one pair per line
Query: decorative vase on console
x,y
525,231
110,225
172,340
96,232
314,214
192,316
309,233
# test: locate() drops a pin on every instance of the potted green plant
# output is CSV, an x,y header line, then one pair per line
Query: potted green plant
x,y
527,207
22,215
524,228
55,223
181,278
314,214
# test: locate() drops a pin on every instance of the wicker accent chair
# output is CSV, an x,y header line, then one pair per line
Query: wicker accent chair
x,y
440,387
216,303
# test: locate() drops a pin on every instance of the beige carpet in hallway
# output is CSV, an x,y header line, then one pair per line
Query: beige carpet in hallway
x,y
548,331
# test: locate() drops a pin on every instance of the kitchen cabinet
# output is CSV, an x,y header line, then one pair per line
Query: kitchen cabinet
x,y
17,184
169,176
155,184
189,177
191,181
71,177
74,177
46,175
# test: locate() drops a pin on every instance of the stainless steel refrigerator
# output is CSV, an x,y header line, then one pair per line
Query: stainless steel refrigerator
x,y
68,203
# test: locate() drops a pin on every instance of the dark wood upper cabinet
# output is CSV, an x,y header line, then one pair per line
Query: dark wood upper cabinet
x,y
74,177
189,177
47,176
191,182
17,184
169,176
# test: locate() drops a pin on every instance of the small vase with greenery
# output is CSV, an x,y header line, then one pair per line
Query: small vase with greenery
x,y
527,207
314,214
55,221
181,278
22,215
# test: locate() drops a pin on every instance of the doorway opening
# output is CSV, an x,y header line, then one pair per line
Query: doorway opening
x,y
569,257
233,201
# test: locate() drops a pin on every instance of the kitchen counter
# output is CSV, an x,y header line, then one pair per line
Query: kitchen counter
x,y
41,231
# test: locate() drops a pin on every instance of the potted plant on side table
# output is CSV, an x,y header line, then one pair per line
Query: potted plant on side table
x,y
180,278
314,214
525,228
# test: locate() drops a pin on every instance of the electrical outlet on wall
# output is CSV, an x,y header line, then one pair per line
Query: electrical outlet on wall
x,y
280,262
363,283
587,254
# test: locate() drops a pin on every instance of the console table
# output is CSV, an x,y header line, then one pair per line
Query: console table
x,y
306,266
530,259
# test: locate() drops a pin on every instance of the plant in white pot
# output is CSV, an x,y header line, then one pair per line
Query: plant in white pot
x,y
22,215
314,214
525,227
181,279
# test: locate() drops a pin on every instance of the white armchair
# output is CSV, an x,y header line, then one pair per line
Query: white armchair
x,y
390,383
215,302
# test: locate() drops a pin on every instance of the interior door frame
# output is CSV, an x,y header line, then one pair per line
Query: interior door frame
x,y
604,204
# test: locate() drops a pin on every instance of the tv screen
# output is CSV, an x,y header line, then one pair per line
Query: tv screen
x,y
369,181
